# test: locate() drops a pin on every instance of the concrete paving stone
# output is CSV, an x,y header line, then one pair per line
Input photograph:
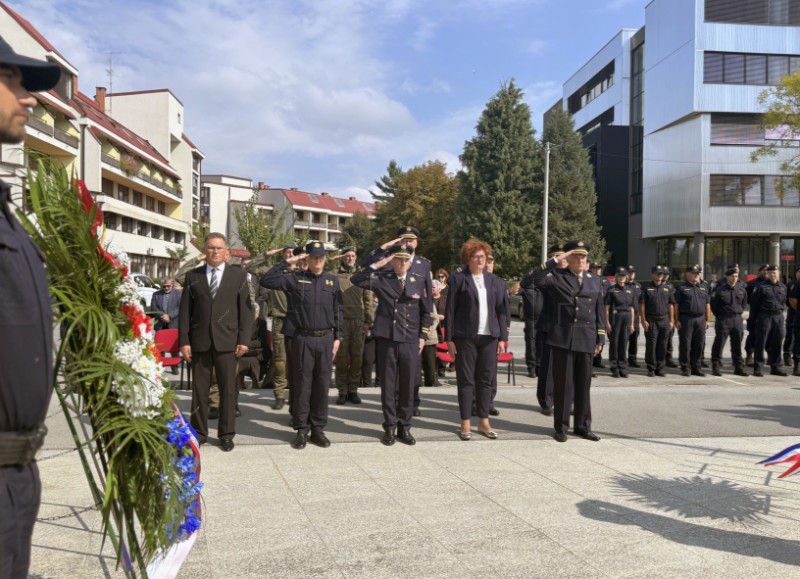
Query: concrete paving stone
x,y
491,526
310,559
656,557
776,558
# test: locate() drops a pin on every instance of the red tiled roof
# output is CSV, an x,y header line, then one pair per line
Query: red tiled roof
x,y
303,199
56,102
35,34
188,141
119,133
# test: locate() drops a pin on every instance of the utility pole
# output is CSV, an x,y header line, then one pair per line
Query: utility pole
x,y
546,196
110,73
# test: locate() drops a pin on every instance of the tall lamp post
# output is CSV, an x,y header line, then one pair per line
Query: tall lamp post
x,y
547,146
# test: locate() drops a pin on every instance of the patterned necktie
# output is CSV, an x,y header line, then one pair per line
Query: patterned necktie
x,y
403,283
213,284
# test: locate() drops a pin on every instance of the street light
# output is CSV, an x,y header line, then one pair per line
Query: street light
x,y
548,146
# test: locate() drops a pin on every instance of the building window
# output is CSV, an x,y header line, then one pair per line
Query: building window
x,y
110,220
636,162
137,198
156,232
596,86
162,208
774,12
150,203
746,129
127,225
298,215
122,193
740,68
107,187
753,190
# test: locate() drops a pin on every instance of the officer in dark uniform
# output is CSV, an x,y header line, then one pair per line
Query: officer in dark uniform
x,y
766,307
794,304
544,382
619,304
751,329
532,304
727,304
26,331
420,267
657,312
694,315
670,363
597,269
314,324
791,321
402,322
576,333
633,339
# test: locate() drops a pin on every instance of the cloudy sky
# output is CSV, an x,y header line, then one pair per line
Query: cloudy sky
x,y
321,94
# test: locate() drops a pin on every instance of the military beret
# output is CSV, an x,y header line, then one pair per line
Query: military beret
x,y
694,269
347,249
578,247
621,270
400,250
315,248
490,257
408,232
731,270
772,267
556,249
289,245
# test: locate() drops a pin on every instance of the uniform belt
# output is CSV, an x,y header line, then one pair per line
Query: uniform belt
x,y
314,333
20,448
656,318
623,311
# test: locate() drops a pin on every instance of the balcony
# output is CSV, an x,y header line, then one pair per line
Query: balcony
x,y
40,125
109,160
65,137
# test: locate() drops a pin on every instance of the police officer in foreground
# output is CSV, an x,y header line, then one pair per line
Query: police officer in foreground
x,y
316,331
727,304
657,312
402,323
633,339
751,328
544,382
619,304
694,315
671,363
532,305
357,321
26,331
576,333
766,307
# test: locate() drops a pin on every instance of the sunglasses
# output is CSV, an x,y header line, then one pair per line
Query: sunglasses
x,y
442,276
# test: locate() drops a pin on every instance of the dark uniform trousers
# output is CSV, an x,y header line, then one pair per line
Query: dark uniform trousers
x,y
544,381
620,332
769,328
350,356
656,341
579,364
224,366
724,326
398,370
20,496
691,336
531,358
670,337
788,341
796,341
312,364
476,373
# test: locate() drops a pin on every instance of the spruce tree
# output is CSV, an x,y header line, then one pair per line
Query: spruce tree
x,y
499,200
572,198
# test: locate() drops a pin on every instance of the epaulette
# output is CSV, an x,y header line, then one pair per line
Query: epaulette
x,y
425,258
459,269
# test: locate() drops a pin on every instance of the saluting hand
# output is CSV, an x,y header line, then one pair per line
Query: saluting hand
x,y
388,244
272,252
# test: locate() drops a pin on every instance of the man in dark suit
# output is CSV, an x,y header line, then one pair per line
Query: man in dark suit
x,y
216,319
575,334
165,305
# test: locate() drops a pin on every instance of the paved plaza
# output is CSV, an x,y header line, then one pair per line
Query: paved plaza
x,y
671,490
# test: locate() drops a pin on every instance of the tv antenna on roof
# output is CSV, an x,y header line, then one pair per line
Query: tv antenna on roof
x,y
110,73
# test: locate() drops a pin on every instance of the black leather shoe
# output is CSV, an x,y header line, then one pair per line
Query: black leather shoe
x,y
227,444
299,442
278,403
623,374
417,412
341,399
441,373
589,435
739,371
213,413
354,398
494,411
778,372
698,372
758,374
703,364
406,437
685,373
650,373
671,364
634,364
594,374
560,437
531,373
615,373
598,363
547,411
238,412
388,438
318,437
659,373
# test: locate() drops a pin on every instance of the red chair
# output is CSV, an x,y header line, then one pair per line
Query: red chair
x,y
167,343
508,358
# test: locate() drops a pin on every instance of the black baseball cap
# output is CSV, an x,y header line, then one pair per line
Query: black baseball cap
x,y
37,75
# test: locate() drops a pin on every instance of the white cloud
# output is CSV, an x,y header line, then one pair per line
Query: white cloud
x,y
423,34
536,46
540,96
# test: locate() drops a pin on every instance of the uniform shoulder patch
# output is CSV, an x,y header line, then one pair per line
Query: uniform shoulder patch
x,y
459,269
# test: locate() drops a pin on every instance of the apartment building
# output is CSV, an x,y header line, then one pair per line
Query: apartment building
x,y
680,97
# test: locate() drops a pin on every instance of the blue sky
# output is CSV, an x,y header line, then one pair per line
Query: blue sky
x,y
321,94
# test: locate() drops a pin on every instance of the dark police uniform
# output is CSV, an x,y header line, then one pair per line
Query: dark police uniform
x,y
657,301
26,384
358,314
598,359
620,301
532,304
402,319
692,301
313,323
791,322
727,305
577,326
794,294
766,307
670,350
633,339
751,329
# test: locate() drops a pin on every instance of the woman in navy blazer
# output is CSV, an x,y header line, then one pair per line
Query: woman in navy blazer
x,y
477,329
